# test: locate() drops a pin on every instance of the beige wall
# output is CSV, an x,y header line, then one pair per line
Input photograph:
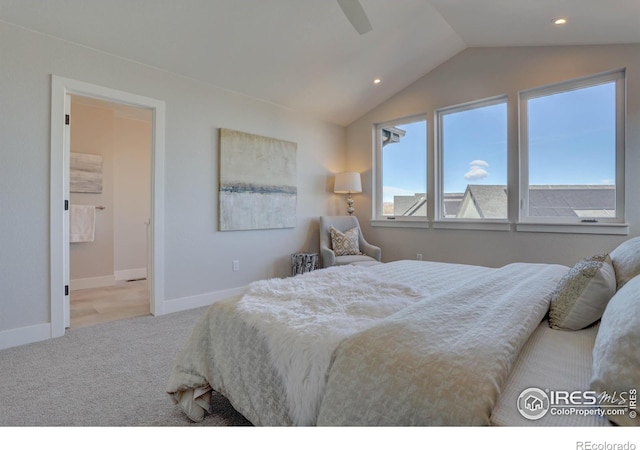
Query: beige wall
x,y
132,193
478,73
92,131
120,243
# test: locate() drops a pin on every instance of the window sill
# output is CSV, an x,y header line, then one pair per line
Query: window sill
x,y
482,225
400,223
486,225
591,228
621,229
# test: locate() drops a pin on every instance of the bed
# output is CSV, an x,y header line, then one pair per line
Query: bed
x,y
417,343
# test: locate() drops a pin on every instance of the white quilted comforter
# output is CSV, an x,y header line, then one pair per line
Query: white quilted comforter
x,y
402,343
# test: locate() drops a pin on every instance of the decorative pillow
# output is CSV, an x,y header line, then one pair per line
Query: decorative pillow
x,y
582,294
626,260
345,243
616,358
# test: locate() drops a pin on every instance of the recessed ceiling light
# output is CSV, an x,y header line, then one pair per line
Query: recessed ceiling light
x,y
559,21
377,81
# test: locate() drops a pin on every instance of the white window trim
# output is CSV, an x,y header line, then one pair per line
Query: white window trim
x,y
473,224
608,226
621,229
466,224
603,225
378,219
404,222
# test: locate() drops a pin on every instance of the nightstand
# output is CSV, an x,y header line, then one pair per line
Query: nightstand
x,y
303,262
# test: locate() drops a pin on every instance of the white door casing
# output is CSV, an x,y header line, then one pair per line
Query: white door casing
x,y
61,89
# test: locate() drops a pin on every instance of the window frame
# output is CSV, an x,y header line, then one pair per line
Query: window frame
x,y
440,221
517,171
602,225
378,218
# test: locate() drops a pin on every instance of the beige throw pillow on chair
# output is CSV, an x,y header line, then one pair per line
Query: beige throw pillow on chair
x,y
346,243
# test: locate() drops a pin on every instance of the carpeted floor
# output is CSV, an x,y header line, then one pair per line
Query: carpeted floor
x,y
112,374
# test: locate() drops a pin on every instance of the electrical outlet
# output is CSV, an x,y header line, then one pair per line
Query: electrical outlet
x,y
236,265
419,256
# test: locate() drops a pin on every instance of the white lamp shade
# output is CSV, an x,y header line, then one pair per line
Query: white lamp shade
x,y
347,183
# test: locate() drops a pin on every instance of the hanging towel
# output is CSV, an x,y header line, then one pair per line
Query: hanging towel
x,y
82,223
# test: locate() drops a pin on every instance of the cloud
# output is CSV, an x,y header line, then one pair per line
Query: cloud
x,y
477,171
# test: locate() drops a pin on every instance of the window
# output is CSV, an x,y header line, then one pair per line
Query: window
x,y
472,161
401,157
572,151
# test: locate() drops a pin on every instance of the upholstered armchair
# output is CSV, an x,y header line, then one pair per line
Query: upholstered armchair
x,y
368,253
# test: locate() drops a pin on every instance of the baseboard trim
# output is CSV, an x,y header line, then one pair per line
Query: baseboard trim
x,y
197,301
25,335
42,332
90,283
108,280
131,274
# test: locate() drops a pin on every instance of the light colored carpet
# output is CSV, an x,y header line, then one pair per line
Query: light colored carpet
x,y
112,374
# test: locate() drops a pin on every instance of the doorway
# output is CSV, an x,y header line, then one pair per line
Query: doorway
x,y
62,90
110,148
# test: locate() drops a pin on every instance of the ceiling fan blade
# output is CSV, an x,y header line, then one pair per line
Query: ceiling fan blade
x,y
356,15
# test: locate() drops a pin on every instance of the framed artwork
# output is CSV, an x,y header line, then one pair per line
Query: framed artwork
x,y
85,175
258,182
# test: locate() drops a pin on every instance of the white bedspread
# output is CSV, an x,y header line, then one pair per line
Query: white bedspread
x,y
551,359
443,360
304,318
406,343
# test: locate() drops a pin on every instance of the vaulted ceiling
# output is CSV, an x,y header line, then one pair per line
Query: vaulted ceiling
x,y
304,54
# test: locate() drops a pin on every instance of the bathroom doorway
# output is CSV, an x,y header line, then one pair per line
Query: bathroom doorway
x,y
61,91
110,204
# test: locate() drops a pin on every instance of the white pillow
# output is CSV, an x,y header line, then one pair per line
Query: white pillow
x,y
346,243
616,352
582,294
626,260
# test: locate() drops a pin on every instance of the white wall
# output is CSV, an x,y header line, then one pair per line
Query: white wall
x,y
479,73
197,256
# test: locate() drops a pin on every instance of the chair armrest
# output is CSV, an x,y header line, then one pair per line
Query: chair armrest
x,y
328,257
372,250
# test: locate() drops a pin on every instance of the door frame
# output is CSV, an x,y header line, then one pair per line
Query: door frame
x,y
61,89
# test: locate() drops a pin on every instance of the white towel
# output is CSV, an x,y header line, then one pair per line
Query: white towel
x,y
82,223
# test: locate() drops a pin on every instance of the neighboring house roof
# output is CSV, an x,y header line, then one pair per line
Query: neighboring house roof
x,y
392,135
416,205
452,203
490,202
410,205
569,201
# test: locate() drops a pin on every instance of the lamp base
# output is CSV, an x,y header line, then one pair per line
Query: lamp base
x,y
350,208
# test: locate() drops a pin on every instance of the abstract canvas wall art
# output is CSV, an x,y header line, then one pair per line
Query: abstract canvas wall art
x,y
86,173
258,182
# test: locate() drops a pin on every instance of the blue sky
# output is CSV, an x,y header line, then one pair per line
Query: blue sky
x,y
405,163
571,141
475,143
572,137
